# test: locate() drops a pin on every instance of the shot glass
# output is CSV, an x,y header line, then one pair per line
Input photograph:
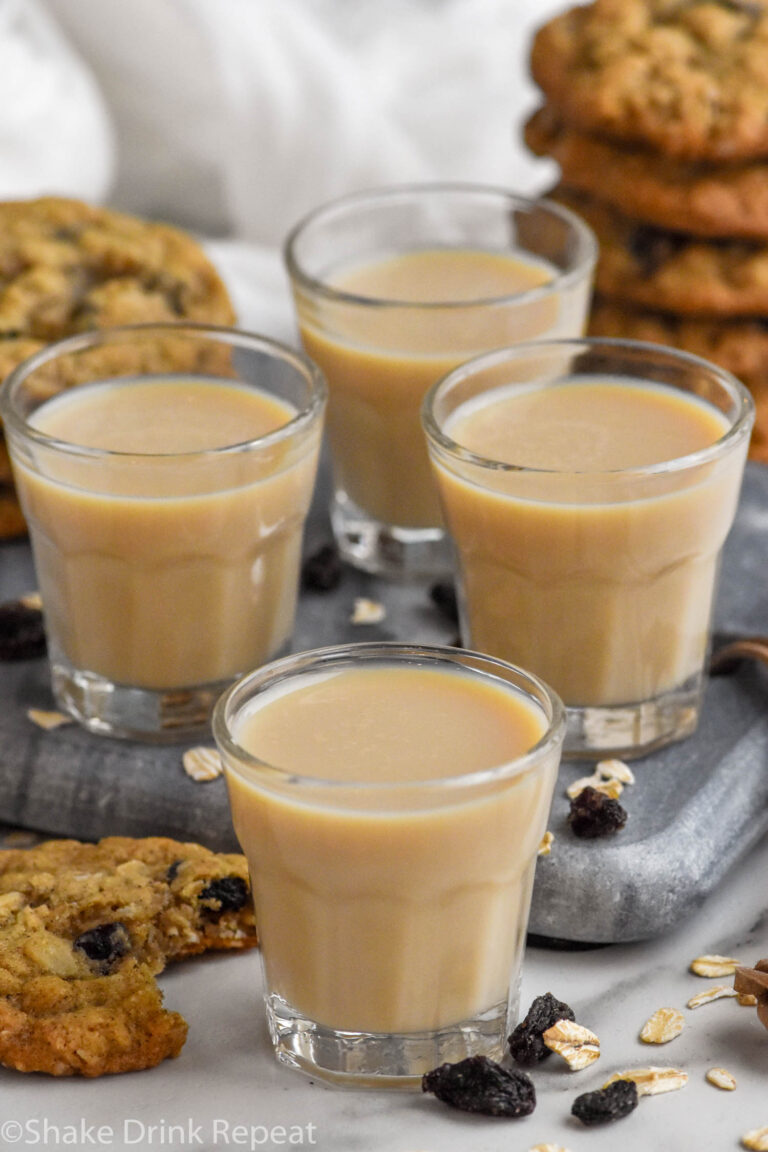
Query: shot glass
x,y
392,289
589,486
165,473
390,800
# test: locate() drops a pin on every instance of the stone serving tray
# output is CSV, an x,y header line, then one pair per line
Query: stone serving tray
x,y
694,810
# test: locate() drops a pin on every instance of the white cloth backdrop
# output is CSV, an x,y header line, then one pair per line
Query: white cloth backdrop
x,y
234,117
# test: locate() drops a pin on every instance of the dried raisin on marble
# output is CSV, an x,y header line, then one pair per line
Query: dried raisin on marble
x,y
478,1084
526,1045
611,1103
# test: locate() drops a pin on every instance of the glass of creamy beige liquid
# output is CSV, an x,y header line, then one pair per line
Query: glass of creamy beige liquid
x,y
390,800
165,472
392,289
588,487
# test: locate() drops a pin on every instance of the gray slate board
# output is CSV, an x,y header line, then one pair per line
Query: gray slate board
x,y
696,807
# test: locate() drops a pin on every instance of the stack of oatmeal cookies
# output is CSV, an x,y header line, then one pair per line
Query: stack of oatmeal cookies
x,y
657,114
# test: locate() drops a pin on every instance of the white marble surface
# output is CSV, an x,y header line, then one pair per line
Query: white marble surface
x,y
226,1076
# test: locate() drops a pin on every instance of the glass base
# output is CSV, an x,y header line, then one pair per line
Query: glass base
x,y
112,709
632,730
386,549
376,1059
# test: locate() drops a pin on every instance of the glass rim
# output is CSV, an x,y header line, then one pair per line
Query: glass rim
x,y
247,765
582,264
740,427
93,338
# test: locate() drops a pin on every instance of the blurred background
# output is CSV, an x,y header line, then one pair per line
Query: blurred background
x,y
232,118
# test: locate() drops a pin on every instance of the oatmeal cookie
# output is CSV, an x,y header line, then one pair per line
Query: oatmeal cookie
x,y
67,267
84,929
720,201
686,77
669,270
739,346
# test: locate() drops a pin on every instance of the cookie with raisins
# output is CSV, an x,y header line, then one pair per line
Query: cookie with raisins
x,y
84,930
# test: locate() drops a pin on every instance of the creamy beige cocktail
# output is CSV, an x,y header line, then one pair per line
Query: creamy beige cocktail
x,y
390,802
588,506
393,289
379,365
166,515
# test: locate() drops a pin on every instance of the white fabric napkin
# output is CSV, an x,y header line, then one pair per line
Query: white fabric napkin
x,y
55,132
238,116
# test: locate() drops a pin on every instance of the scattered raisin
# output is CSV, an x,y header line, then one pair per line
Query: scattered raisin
x,y
173,871
104,945
230,893
22,636
478,1084
594,814
321,572
443,596
525,1043
611,1103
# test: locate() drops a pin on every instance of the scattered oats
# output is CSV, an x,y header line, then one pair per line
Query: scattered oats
x,y
713,966
545,847
663,1026
575,1043
615,770
746,999
32,600
579,785
548,1148
721,1078
612,787
367,611
652,1081
757,1139
202,763
48,720
716,992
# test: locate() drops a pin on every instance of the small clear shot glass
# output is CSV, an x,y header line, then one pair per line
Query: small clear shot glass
x,y
391,904
601,580
164,572
393,288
